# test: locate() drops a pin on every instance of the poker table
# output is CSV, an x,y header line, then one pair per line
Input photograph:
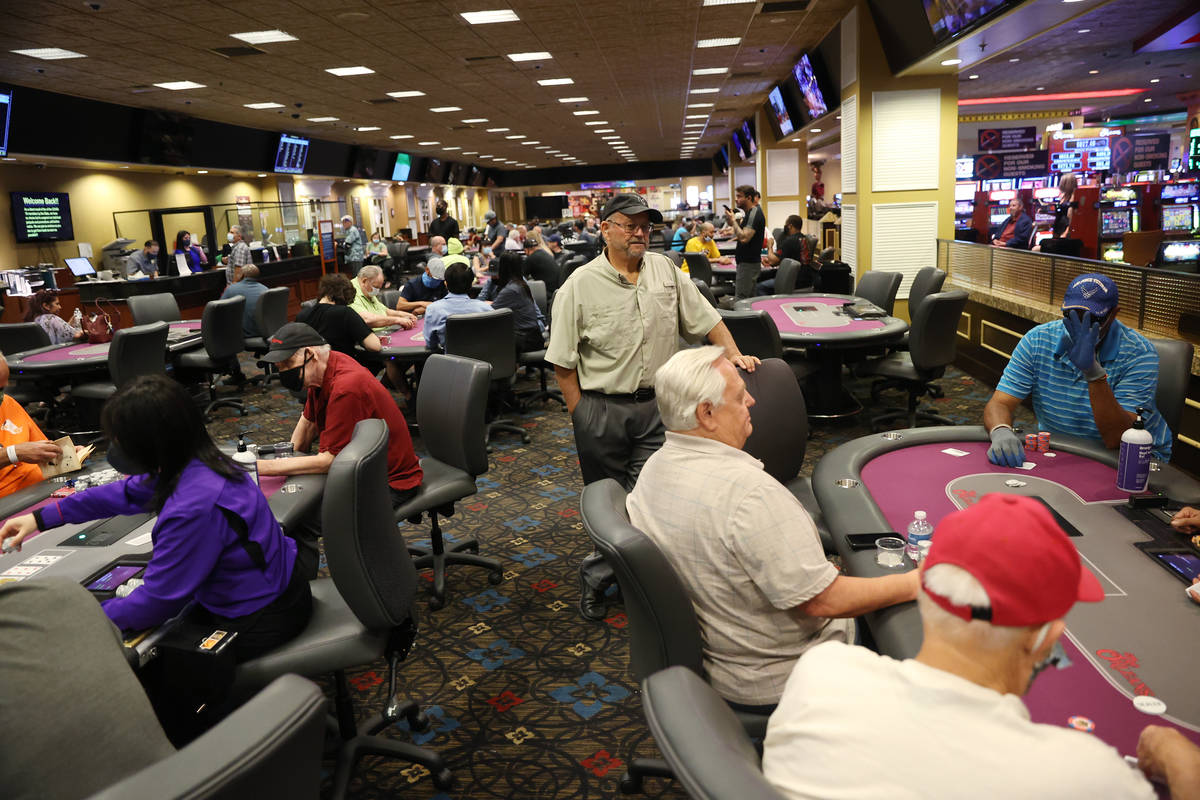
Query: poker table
x,y
818,323
1142,639
405,345
82,357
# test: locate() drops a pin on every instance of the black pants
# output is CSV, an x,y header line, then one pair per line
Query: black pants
x,y
278,622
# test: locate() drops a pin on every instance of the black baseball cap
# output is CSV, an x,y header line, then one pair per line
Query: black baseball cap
x,y
630,204
290,338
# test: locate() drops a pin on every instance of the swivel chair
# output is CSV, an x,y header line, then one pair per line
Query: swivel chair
x,y
140,350
270,315
1174,372
536,359
489,336
18,337
700,268
787,276
753,332
221,330
160,307
706,292
880,288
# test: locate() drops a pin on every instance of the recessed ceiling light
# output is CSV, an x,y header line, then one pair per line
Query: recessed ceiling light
x,y
597,122
428,144
1013,60
972,77
1041,88
814,130
401,136
470,152
261,106
604,130
703,91
1147,100
725,42
1084,30
489,17
555,82
264,37
950,62
540,55
516,136
201,172
367,128
261,174
697,116
474,120
452,148
49,53
1154,80
486,156
322,119
696,125
444,109
700,105
572,99
584,113
406,93
344,72
178,86
1093,72
498,130
710,71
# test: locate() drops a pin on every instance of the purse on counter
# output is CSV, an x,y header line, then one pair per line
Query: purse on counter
x,y
99,325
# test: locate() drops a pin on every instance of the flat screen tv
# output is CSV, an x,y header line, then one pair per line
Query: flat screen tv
x,y
779,114
42,217
810,88
435,170
371,163
5,118
948,18
457,175
402,168
721,159
748,136
291,154
738,145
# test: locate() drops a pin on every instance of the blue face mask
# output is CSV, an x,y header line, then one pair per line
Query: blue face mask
x,y
429,281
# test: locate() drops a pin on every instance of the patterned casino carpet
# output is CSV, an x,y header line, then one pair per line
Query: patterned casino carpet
x,y
526,699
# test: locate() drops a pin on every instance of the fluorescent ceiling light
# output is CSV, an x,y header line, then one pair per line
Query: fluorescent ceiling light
x,y
597,122
177,86
976,77
201,172
814,130
49,53
604,130
700,105
710,71
950,62
516,136
543,147
584,113
407,93
572,99
489,17
726,42
470,152
344,72
474,120
697,116
486,156
498,130
703,91
401,136
532,141
322,119
367,128
444,109
264,37
540,55
428,144
261,106
555,82
452,148
610,138
696,125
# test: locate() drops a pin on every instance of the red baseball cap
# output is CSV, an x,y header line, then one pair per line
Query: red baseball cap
x,y
1023,559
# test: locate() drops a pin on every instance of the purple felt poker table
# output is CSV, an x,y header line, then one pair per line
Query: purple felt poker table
x,y
405,345
83,357
1142,641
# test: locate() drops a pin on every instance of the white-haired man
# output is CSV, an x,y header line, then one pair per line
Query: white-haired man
x,y
846,723
367,286
239,255
352,245
744,546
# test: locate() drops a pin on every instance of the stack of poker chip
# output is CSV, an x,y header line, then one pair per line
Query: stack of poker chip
x,y
1043,441
1031,441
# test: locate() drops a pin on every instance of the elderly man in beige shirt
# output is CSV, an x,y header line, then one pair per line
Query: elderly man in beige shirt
x,y
617,319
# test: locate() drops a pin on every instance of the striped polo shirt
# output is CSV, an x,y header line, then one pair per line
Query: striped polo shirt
x,y
1040,366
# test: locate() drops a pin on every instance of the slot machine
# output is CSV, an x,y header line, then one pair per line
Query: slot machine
x,y
964,212
1180,209
1118,215
1042,213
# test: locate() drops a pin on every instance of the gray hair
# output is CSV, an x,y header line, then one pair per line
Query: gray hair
x,y
235,228
688,379
347,218
370,272
961,588
251,271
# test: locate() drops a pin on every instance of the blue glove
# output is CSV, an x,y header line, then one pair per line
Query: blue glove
x,y
1006,449
1084,333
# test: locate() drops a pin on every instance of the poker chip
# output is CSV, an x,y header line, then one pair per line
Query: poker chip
x,y
1081,724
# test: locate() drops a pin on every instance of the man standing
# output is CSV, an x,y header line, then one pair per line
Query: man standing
x,y
443,225
248,286
418,293
617,319
352,245
1017,230
239,256
749,234
494,234
144,261
366,301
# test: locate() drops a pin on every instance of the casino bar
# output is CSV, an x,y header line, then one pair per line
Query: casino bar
x,y
531,400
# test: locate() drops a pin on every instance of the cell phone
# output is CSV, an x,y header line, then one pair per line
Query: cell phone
x,y
866,541
725,207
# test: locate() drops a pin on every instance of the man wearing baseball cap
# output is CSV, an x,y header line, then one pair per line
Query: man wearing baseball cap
x,y
1000,577
1088,374
340,393
426,288
616,320
494,234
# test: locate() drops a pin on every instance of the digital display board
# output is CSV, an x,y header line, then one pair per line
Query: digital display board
x,y
402,168
748,138
5,118
964,168
779,113
42,217
949,17
291,155
810,90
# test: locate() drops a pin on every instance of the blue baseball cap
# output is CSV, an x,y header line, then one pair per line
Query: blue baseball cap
x,y
1093,292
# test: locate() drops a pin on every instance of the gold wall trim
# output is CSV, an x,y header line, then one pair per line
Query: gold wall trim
x,y
966,335
1006,116
1189,441
983,324
1192,403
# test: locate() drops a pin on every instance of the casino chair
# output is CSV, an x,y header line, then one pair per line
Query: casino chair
x,y
389,297
536,359
146,308
270,747
780,435
18,337
787,276
308,304
880,288
675,256
928,280
776,233
1063,247
703,742
753,332
489,336
933,341
573,263
706,291
451,404
1174,372
663,629
362,612
140,350
221,330
699,267
270,315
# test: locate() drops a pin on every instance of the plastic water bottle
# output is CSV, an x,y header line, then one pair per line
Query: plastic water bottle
x,y
919,530
1133,464
77,319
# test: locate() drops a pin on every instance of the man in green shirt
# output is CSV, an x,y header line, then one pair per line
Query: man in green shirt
x,y
366,302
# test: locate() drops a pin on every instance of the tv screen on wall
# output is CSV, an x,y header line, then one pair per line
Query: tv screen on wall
x,y
810,87
948,18
42,217
291,154
5,118
779,113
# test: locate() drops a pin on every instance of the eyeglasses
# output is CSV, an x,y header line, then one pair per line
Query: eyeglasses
x,y
630,228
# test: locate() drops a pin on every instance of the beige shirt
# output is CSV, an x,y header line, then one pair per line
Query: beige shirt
x,y
747,551
617,334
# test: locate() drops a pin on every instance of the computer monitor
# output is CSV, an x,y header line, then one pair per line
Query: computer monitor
x,y
80,267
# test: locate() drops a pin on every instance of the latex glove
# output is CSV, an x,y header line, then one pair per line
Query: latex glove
x,y
1006,449
1084,334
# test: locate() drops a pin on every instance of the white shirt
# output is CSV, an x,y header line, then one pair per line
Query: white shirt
x,y
854,724
748,553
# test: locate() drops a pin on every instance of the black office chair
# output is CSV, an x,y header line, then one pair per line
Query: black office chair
x,y
451,407
787,276
362,612
1063,247
270,315
702,740
221,330
753,332
675,256
140,350
776,233
663,629
699,267
880,288
308,303
270,747
1174,373
707,292
536,359
389,297
835,275
573,263
933,341
147,308
489,336
18,337
927,281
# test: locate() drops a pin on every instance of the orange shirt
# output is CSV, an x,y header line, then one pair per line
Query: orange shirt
x,y
17,428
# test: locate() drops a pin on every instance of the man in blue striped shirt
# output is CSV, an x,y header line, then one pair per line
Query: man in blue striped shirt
x,y
1087,373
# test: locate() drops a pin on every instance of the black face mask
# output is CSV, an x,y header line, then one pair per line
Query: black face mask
x,y
293,379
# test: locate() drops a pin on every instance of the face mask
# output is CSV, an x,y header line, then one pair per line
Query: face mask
x,y
1057,658
229,237
375,241
375,291
430,281
186,244
487,251
293,379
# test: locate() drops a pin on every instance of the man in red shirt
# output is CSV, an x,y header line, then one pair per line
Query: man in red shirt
x,y
1017,230
341,392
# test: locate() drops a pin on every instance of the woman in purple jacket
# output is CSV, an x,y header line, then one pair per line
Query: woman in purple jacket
x,y
216,541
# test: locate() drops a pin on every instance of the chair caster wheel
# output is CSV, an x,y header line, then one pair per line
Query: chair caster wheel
x,y
472,548
494,578
418,722
630,784
435,603
525,438
443,780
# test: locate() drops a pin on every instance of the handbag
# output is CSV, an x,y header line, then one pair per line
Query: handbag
x,y
99,325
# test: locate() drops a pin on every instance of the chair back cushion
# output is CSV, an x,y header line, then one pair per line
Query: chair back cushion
x,y
662,621
221,328
1174,372
17,337
880,288
485,336
933,338
368,559
675,256
698,266
389,297
702,739
538,290
159,307
706,291
136,351
928,281
753,332
452,410
786,276
271,313
779,417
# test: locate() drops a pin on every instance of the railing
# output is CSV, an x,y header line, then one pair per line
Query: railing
x,y
1152,300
